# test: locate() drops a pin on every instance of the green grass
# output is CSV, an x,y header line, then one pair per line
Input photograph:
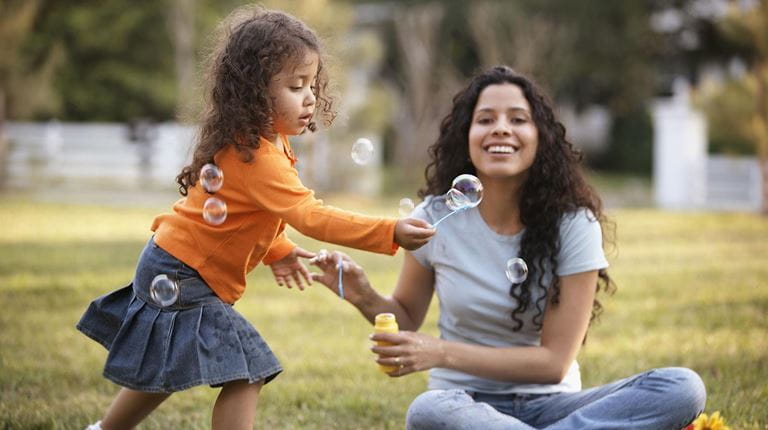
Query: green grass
x,y
693,291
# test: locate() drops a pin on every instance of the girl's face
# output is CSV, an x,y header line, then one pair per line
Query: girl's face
x,y
292,96
502,135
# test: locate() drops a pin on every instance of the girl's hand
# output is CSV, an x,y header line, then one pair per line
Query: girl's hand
x,y
289,268
413,233
354,280
410,352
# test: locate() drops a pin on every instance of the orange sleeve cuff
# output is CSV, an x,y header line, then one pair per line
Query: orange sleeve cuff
x,y
279,249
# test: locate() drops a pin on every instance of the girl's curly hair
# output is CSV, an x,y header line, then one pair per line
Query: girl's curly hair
x,y
254,44
555,186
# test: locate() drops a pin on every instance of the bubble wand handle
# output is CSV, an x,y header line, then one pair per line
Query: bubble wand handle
x,y
441,219
341,285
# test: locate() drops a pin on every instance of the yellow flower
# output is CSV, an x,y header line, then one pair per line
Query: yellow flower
x,y
714,422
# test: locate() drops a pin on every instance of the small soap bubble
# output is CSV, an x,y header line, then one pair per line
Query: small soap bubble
x,y
406,207
214,211
517,270
211,177
456,200
470,187
163,290
362,151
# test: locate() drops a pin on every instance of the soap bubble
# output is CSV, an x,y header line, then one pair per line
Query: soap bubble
x,y
163,290
362,151
517,270
456,200
214,211
470,187
211,177
406,207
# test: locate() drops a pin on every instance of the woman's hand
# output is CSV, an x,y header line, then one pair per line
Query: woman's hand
x,y
289,268
410,352
354,280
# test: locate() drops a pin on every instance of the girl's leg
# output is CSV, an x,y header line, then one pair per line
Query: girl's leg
x,y
235,408
455,409
129,408
660,399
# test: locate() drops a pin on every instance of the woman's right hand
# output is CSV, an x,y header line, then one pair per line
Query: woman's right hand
x,y
355,282
413,233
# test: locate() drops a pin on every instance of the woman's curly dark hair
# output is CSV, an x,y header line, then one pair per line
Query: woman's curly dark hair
x,y
253,45
554,187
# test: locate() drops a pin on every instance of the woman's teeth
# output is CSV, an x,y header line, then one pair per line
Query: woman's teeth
x,y
501,149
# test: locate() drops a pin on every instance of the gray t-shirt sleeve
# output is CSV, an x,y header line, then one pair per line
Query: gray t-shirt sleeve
x,y
581,244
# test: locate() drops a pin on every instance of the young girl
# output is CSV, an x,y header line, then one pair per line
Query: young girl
x,y
506,355
174,326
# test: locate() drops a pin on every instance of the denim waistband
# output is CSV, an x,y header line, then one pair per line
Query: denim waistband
x,y
193,291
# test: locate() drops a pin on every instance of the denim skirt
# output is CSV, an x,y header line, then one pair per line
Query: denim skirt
x,y
197,340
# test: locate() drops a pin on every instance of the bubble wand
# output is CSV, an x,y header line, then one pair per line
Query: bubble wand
x,y
451,213
341,285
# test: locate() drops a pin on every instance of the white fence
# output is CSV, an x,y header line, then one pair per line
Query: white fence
x,y
684,175
94,155
733,183
102,157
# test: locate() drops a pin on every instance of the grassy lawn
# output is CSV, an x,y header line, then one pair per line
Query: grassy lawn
x,y
693,291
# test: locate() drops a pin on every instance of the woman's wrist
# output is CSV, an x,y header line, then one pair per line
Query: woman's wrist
x,y
364,298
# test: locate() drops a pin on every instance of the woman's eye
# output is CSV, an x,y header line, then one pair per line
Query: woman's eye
x,y
484,120
295,88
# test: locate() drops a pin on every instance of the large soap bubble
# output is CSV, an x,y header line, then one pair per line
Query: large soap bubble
x,y
470,187
466,192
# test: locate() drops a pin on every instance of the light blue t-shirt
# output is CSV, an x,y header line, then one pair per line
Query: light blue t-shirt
x,y
469,261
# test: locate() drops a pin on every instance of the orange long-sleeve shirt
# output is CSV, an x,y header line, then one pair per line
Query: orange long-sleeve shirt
x,y
261,197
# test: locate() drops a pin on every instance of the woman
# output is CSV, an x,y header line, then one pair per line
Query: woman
x,y
506,356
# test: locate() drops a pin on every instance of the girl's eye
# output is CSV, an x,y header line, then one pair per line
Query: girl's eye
x,y
295,88
484,120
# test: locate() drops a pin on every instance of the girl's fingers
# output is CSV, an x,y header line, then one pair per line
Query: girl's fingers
x,y
306,274
297,279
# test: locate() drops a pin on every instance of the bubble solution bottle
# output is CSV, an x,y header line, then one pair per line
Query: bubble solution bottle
x,y
385,323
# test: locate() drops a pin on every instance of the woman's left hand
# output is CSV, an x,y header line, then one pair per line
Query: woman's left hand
x,y
410,351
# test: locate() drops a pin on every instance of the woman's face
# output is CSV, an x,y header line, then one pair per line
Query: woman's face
x,y
502,135
292,95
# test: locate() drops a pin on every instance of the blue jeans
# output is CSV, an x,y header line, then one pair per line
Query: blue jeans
x,y
660,399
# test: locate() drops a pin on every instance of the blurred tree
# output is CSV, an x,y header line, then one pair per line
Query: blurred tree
x,y
25,76
584,53
748,25
26,73
125,72
181,18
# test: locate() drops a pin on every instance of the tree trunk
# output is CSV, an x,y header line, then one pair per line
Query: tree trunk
x,y
3,140
417,30
182,27
761,126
